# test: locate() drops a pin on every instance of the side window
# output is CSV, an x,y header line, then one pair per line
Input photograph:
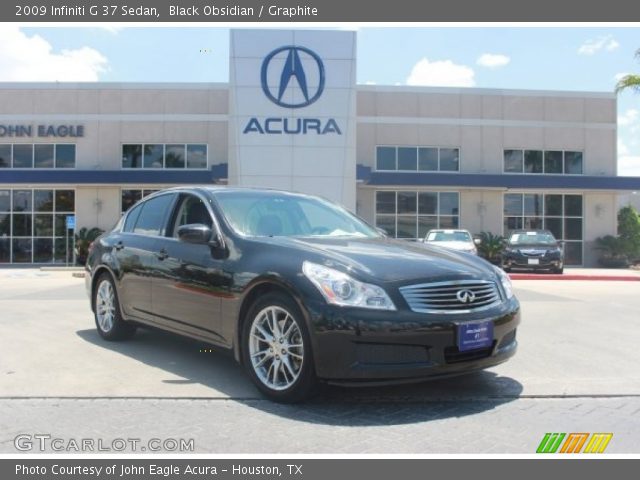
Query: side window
x,y
191,210
132,217
152,216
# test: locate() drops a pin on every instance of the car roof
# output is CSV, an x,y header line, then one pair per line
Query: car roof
x,y
213,189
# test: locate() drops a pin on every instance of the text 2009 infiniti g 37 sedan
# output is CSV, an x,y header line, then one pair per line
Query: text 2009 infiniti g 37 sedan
x,y
299,289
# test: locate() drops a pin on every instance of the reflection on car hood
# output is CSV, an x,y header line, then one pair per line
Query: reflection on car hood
x,y
534,246
391,260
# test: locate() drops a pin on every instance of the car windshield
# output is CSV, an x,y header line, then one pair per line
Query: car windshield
x,y
448,236
267,214
532,238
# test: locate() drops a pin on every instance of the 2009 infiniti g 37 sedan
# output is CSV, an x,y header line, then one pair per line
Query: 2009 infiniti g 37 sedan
x,y
299,289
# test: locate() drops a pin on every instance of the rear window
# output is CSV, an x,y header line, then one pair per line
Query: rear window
x,y
132,217
151,220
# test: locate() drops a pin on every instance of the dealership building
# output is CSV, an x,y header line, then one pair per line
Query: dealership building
x,y
292,116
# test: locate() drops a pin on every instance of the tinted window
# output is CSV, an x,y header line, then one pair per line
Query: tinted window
x,y
513,161
407,158
553,162
132,217
43,155
22,156
152,216
533,161
65,156
449,159
175,156
192,211
5,156
196,156
386,158
428,159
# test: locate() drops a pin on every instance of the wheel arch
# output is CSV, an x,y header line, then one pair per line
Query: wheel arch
x,y
97,273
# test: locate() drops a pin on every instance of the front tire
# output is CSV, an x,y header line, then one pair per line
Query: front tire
x,y
276,349
109,322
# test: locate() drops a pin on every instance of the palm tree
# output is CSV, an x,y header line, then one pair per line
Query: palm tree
x,y
630,81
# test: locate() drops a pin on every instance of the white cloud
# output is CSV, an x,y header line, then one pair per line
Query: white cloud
x,y
493,60
622,148
619,76
370,82
443,73
110,27
629,118
25,58
629,165
595,45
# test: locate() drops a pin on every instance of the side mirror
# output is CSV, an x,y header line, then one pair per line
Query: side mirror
x,y
195,233
477,241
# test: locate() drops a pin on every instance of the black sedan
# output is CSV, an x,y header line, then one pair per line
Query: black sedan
x,y
299,289
533,250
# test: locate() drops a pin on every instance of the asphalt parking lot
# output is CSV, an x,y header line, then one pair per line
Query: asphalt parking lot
x,y
576,371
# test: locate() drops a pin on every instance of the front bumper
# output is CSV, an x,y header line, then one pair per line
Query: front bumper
x,y
523,262
361,346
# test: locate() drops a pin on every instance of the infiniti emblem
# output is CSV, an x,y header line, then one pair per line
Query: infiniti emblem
x,y
465,296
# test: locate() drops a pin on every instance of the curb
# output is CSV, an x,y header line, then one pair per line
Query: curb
x,y
571,276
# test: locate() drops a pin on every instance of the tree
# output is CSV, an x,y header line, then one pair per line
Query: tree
x,y
631,81
629,231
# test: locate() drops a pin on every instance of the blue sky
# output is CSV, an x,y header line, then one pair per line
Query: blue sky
x,y
559,58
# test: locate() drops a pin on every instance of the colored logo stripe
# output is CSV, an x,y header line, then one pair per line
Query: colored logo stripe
x,y
598,442
574,443
550,442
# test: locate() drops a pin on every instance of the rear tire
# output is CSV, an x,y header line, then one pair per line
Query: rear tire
x,y
109,322
276,349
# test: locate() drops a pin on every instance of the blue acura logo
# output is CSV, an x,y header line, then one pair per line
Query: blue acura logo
x,y
311,84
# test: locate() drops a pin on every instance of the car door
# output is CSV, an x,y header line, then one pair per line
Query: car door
x,y
135,251
189,283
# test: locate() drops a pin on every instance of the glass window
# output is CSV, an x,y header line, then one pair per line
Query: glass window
x,y
386,158
22,200
532,223
406,226
573,163
407,158
175,156
43,250
425,224
43,200
427,203
573,205
22,224
5,155
196,156
152,216
22,156
5,250
60,225
573,228
406,203
512,223
62,250
387,223
553,205
448,203
513,204
132,218
43,156
533,204
22,250
131,156
43,225
154,156
386,202
65,156
532,161
449,159
65,201
5,225
428,159
554,225
129,198
513,161
449,222
5,201
573,253
553,162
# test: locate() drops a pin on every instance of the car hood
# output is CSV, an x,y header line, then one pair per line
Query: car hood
x,y
534,246
390,260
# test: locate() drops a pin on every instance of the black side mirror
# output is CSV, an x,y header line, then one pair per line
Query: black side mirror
x,y
195,233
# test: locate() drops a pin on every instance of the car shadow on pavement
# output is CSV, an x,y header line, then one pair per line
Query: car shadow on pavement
x,y
192,363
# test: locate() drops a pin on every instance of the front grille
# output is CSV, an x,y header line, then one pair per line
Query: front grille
x,y
454,355
449,297
382,354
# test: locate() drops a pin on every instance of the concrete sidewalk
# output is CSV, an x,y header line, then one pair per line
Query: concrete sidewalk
x,y
602,274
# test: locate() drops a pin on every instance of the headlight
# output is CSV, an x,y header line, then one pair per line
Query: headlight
x,y
340,289
505,281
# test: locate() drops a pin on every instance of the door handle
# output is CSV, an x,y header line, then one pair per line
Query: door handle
x,y
119,245
162,254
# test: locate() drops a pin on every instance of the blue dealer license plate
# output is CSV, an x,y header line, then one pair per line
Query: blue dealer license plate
x,y
472,336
